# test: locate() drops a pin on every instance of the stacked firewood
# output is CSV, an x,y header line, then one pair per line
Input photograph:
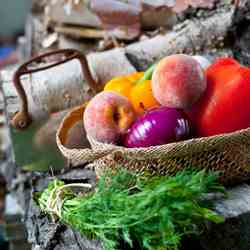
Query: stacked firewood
x,y
97,25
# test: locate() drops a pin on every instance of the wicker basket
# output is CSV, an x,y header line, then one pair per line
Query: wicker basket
x,y
227,153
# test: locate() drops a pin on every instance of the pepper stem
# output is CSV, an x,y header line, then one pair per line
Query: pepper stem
x,y
148,74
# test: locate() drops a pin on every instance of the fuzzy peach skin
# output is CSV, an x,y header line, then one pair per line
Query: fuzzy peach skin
x,y
178,81
108,116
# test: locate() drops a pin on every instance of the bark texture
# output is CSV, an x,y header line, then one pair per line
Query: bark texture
x,y
191,37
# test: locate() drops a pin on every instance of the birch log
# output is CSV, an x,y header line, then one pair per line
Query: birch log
x,y
191,37
64,87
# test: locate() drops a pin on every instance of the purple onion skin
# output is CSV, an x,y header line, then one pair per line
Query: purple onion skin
x,y
158,126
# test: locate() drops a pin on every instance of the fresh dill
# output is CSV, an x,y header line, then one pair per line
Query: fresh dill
x,y
154,212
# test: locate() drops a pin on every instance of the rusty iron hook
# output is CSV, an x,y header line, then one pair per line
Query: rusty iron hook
x,y
22,119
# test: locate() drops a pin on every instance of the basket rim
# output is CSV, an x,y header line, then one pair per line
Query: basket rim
x,y
76,114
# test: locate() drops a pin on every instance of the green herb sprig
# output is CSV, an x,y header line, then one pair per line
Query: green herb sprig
x,y
155,212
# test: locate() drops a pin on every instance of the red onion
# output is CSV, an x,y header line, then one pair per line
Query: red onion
x,y
158,126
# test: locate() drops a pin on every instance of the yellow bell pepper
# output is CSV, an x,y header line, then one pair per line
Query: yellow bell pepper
x,y
137,88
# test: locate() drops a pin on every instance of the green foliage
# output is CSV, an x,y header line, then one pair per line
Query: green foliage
x,y
155,212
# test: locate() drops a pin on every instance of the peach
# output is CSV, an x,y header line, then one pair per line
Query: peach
x,y
108,116
178,81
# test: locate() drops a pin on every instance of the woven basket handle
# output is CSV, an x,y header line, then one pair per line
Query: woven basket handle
x,y
76,156
22,118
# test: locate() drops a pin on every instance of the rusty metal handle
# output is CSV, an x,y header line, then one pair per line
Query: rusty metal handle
x,y
22,118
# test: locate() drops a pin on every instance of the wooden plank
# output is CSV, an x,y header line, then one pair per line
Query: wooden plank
x,y
80,32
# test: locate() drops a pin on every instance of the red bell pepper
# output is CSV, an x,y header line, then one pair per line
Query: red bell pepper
x,y
225,105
